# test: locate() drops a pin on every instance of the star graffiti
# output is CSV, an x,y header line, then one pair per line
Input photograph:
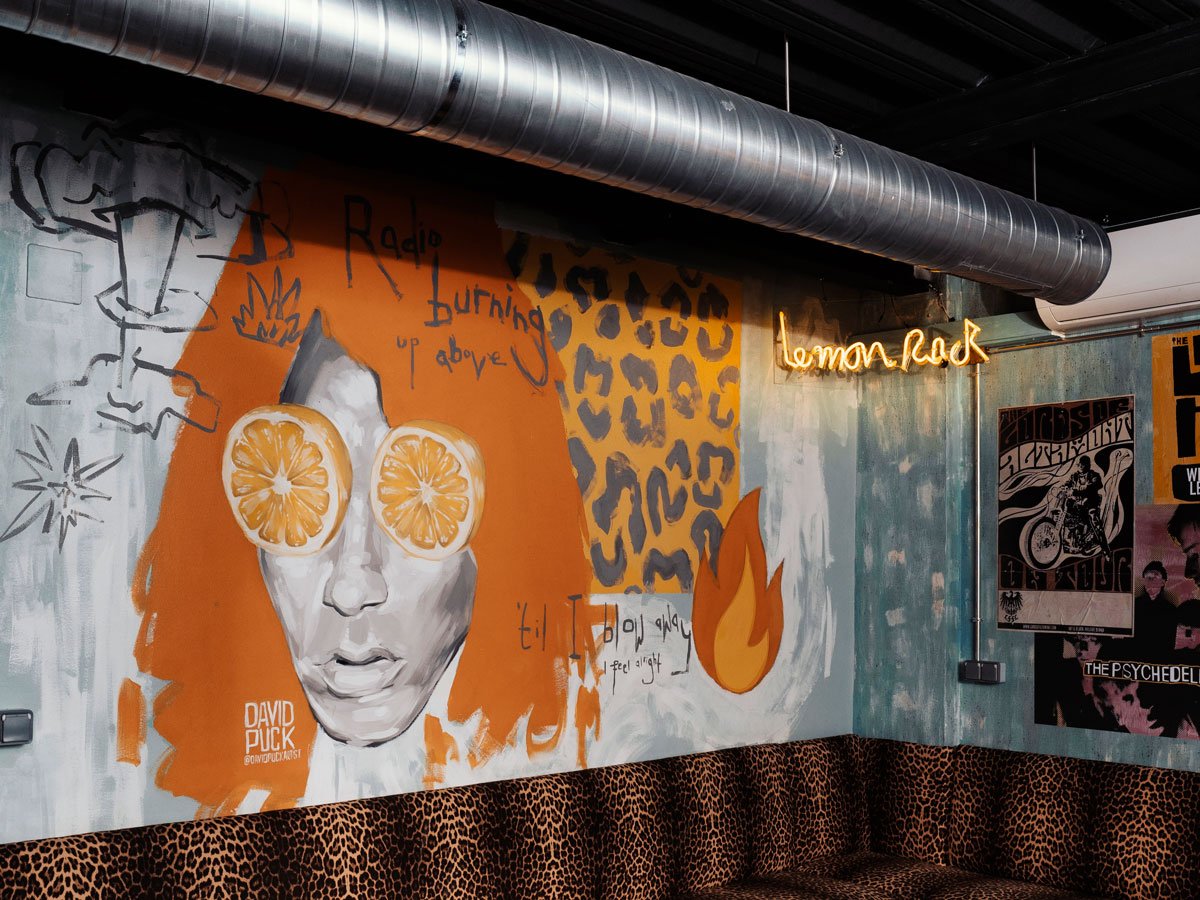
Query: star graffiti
x,y
63,492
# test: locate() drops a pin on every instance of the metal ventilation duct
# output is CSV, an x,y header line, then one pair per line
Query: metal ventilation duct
x,y
476,76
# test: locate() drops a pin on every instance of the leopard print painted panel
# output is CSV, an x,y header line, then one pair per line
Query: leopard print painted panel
x,y
713,837
637,855
1147,832
1023,816
908,794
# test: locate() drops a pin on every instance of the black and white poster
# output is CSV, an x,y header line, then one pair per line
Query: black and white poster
x,y
1066,517
1148,683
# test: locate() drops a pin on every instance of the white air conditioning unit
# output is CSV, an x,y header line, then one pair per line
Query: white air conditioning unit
x,y
1155,273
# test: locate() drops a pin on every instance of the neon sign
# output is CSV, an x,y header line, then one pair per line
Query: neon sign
x,y
858,357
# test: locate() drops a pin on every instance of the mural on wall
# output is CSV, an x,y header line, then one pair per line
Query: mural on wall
x,y
737,616
1148,683
1065,519
395,481
331,488
651,401
63,492
1175,364
89,190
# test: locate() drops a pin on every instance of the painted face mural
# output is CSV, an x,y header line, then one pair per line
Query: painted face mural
x,y
371,627
357,493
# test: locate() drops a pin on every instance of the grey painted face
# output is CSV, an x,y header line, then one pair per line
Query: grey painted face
x,y
371,629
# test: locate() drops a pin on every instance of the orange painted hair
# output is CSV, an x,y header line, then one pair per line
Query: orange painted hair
x,y
208,627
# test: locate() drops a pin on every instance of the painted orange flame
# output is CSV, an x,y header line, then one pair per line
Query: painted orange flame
x,y
737,617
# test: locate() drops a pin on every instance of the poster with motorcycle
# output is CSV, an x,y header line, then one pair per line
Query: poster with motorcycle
x,y
1066,517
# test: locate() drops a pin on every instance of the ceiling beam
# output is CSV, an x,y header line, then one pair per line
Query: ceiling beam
x,y
1125,157
1027,29
668,38
865,42
1154,13
1107,82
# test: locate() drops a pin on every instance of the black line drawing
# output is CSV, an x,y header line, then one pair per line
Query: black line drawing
x,y
270,233
115,190
180,395
47,182
271,320
63,493
174,317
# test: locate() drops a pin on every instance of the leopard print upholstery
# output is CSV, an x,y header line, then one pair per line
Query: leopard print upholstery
x,y
1147,832
876,875
969,888
784,890
72,868
842,817
547,840
816,776
713,836
451,836
1002,804
974,887
771,788
908,791
360,868
238,856
638,858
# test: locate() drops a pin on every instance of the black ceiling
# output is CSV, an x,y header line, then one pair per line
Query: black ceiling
x,y
1106,91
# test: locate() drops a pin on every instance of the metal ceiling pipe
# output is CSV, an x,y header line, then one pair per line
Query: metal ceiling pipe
x,y
476,76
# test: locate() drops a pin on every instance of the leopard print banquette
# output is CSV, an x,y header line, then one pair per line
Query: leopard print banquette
x,y
641,830
762,817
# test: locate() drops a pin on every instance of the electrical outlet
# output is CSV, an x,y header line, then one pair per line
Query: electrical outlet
x,y
980,671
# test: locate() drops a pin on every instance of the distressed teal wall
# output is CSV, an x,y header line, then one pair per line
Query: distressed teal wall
x,y
912,518
915,525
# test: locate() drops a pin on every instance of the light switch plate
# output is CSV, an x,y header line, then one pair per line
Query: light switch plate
x,y
16,727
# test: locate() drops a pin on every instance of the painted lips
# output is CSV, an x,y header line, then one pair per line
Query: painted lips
x,y
353,675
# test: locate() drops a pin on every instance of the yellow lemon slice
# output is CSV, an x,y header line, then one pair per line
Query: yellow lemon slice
x,y
287,476
427,488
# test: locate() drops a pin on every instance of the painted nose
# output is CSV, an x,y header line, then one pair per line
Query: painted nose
x,y
357,581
